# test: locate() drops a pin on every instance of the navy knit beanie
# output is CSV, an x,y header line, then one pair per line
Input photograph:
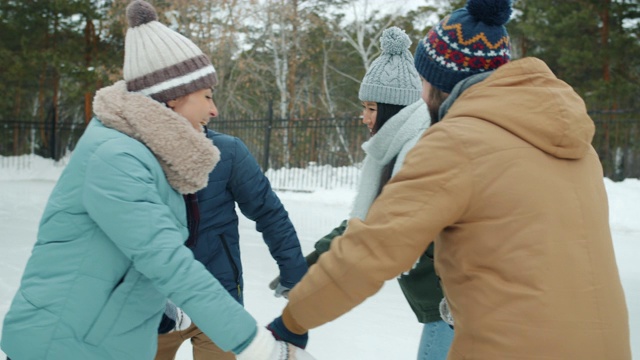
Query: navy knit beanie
x,y
469,41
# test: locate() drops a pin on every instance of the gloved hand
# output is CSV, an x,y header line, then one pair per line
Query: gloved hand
x,y
281,291
265,347
173,319
280,332
275,283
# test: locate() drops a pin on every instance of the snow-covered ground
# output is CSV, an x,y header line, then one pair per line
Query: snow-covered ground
x,y
382,328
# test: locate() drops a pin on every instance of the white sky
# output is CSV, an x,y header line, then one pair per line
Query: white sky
x,y
383,6
383,327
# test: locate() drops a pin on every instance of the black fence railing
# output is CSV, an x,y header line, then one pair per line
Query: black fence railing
x,y
274,143
316,143
298,143
45,139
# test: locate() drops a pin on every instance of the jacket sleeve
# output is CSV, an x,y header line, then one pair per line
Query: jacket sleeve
x,y
257,201
324,243
429,193
121,195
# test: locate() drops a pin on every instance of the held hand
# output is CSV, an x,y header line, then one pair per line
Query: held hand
x,y
274,283
173,319
265,347
183,321
280,332
311,259
281,291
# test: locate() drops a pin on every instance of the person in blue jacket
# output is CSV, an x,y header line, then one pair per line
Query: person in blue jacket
x,y
110,246
237,178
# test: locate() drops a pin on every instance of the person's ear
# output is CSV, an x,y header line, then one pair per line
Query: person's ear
x,y
172,103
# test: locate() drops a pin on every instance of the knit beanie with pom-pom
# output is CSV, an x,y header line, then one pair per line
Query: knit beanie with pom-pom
x,y
469,41
159,62
392,77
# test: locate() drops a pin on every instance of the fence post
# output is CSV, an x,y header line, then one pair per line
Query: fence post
x,y
53,143
267,138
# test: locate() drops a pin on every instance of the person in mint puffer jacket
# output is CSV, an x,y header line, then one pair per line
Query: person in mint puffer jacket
x,y
110,246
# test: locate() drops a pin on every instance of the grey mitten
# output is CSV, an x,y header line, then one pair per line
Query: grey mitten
x,y
279,288
274,283
281,291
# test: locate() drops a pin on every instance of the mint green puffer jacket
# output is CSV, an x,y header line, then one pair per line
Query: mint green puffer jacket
x,y
110,252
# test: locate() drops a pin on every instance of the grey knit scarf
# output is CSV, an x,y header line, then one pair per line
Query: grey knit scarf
x,y
386,144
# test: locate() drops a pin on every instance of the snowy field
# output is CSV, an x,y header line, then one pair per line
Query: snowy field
x,y
382,328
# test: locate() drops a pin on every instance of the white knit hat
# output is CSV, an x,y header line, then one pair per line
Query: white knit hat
x,y
159,62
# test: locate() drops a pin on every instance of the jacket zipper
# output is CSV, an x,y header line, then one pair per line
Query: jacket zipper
x,y
236,272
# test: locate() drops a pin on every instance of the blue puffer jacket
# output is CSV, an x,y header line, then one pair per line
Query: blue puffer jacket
x,y
237,178
110,244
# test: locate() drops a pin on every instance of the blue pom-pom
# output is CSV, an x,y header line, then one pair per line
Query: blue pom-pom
x,y
490,12
394,41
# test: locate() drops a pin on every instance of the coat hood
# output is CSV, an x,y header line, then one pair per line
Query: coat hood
x,y
556,121
187,156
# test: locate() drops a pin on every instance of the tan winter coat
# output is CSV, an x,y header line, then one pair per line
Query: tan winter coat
x,y
511,189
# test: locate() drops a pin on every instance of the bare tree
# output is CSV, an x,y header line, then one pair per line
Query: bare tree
x,y
363,28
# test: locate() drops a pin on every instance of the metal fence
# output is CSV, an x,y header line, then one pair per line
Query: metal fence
x,y
295,154
45,139
327,148
303,154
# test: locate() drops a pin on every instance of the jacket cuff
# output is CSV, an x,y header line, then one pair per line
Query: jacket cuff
x,y
290,323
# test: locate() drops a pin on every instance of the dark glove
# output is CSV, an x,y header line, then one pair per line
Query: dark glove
x,y
312,257
280,332
173,319
166,324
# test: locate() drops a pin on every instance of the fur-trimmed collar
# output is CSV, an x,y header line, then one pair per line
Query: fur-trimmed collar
x,y
187,156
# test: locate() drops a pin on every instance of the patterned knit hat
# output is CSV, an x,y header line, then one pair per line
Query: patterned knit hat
x,y
392,77
159,62
469,41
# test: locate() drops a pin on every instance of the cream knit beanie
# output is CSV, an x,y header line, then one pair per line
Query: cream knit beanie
x,y
159,62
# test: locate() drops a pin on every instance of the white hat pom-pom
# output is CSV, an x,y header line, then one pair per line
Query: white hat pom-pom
x,y
394,41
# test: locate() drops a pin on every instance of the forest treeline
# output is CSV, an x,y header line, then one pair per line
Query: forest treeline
x,y
305,57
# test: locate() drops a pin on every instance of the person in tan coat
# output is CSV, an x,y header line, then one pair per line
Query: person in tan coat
x,y
508,186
